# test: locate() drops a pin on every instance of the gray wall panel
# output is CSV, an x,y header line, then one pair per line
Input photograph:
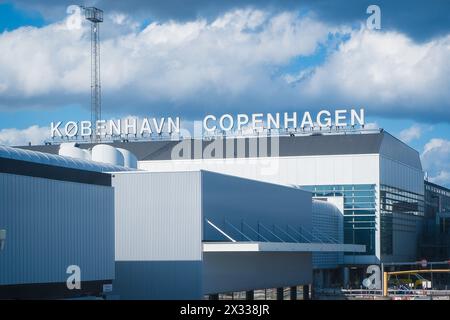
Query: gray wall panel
x,y
158,216
225,272
158,280
236,199
53,224
328,222
395,149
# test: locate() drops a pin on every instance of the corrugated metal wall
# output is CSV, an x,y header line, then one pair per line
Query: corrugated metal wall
x,y
328,222
158,235
158,280
158,216
53,224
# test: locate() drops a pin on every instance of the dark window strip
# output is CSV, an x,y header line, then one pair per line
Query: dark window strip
x,y
39,170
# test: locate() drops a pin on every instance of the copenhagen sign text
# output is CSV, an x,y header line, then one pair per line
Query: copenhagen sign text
x,y
211,123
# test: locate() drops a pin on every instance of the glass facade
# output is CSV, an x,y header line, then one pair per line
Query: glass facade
x,y
437,199
399,211
359,212
435,238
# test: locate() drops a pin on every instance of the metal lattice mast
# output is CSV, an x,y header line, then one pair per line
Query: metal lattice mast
x,y
95,16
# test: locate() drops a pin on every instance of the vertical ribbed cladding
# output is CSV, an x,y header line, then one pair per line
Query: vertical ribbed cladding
x,y
328,225
158,237
51,225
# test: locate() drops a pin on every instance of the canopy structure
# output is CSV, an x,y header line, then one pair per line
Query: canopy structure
x,y
280,247
57,160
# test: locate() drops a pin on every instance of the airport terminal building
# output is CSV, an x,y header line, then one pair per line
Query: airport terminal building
x,y
378,178
136,234
329,203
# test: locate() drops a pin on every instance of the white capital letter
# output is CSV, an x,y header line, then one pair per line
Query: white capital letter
x,y
222,122
340,115
242,120
55,129
293,120
86,128
327,118
359,118
205,123
71,129
307,120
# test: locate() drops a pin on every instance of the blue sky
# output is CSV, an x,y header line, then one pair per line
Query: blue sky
x,y
165,58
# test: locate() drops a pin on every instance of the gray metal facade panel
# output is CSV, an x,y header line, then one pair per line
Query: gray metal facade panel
x,y
328,221
331,144
53,224
158,216
288,146
158,280
335,144
395,149
237,199
228,272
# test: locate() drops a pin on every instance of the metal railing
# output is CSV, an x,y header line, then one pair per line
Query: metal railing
x,y
260,232
372,293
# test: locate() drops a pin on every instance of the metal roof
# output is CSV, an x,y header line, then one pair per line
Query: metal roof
x,y
289,146
313,145
57,160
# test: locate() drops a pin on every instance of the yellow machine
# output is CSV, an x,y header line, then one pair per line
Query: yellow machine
x,y
386,276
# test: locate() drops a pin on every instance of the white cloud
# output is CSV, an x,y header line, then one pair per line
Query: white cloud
x,y
17,137
388,72
437,144
412,133
242,59
443,178
166,64
436,160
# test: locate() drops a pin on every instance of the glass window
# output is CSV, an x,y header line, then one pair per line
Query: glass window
x,y
405,207
359,212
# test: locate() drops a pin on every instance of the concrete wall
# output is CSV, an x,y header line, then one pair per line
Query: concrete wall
x,y
54,224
